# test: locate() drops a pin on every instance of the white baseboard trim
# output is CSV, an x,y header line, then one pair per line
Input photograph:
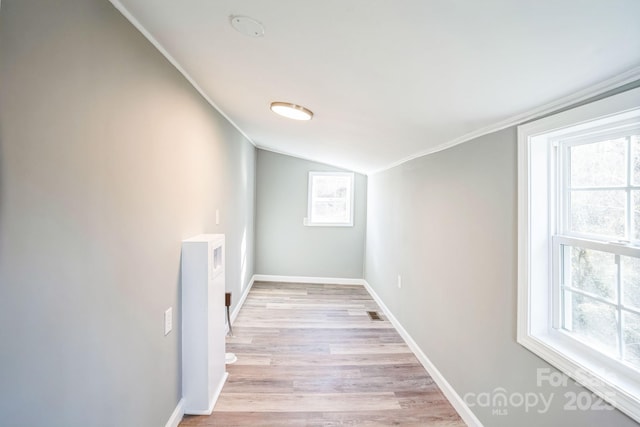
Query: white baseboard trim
x,y
456,401
242,299
307,279
177,415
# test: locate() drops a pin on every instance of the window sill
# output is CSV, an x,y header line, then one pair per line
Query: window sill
x,y
608,379
328,225
307,223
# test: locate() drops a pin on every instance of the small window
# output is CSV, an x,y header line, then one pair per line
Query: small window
x,y
330,199
579,245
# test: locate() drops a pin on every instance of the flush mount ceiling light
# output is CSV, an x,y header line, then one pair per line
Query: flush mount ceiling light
x,y
291,111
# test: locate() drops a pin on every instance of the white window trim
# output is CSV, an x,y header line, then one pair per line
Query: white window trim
x,y
611,380
308,222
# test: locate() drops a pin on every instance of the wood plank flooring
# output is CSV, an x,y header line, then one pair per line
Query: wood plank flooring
x,y
309,355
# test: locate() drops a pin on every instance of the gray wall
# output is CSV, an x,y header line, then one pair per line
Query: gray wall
x,y
447,223
284,246
108,159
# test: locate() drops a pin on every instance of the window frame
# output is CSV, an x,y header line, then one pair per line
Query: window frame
x,y
540,218
350,199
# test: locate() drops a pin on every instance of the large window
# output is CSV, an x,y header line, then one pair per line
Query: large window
x,y
600,277
330,199
579,245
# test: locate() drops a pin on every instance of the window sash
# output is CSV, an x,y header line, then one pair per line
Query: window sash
x,y
597,245
566,189
560,285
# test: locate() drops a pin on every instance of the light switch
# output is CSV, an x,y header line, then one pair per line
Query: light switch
x,y
168,320
217,216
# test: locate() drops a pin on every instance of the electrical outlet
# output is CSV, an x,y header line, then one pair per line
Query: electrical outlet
x,y
399,281
168,320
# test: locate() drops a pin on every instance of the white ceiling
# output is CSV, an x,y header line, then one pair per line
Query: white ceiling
x,y
390,80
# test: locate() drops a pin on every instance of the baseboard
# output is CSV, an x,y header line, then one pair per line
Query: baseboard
x,y
307,279
242,299
456,401
177,415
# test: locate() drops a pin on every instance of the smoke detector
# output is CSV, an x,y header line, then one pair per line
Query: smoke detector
x,y
247,26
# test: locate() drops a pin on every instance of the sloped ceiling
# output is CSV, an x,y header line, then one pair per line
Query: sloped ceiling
x,y
390,80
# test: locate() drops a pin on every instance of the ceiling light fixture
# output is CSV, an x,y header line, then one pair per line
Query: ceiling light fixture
x,y
291,111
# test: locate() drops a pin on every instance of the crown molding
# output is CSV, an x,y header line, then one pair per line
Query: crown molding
x,y
559,104
132,19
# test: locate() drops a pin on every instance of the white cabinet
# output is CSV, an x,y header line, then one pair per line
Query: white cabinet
x,y
203,327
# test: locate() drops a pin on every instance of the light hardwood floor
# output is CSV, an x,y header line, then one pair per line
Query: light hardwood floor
x,y
309,355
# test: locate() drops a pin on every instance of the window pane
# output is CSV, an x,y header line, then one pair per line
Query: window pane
x,y
635,152
594,272
598,212
631,334
630,281
330,186
600,164
334,211
591,321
